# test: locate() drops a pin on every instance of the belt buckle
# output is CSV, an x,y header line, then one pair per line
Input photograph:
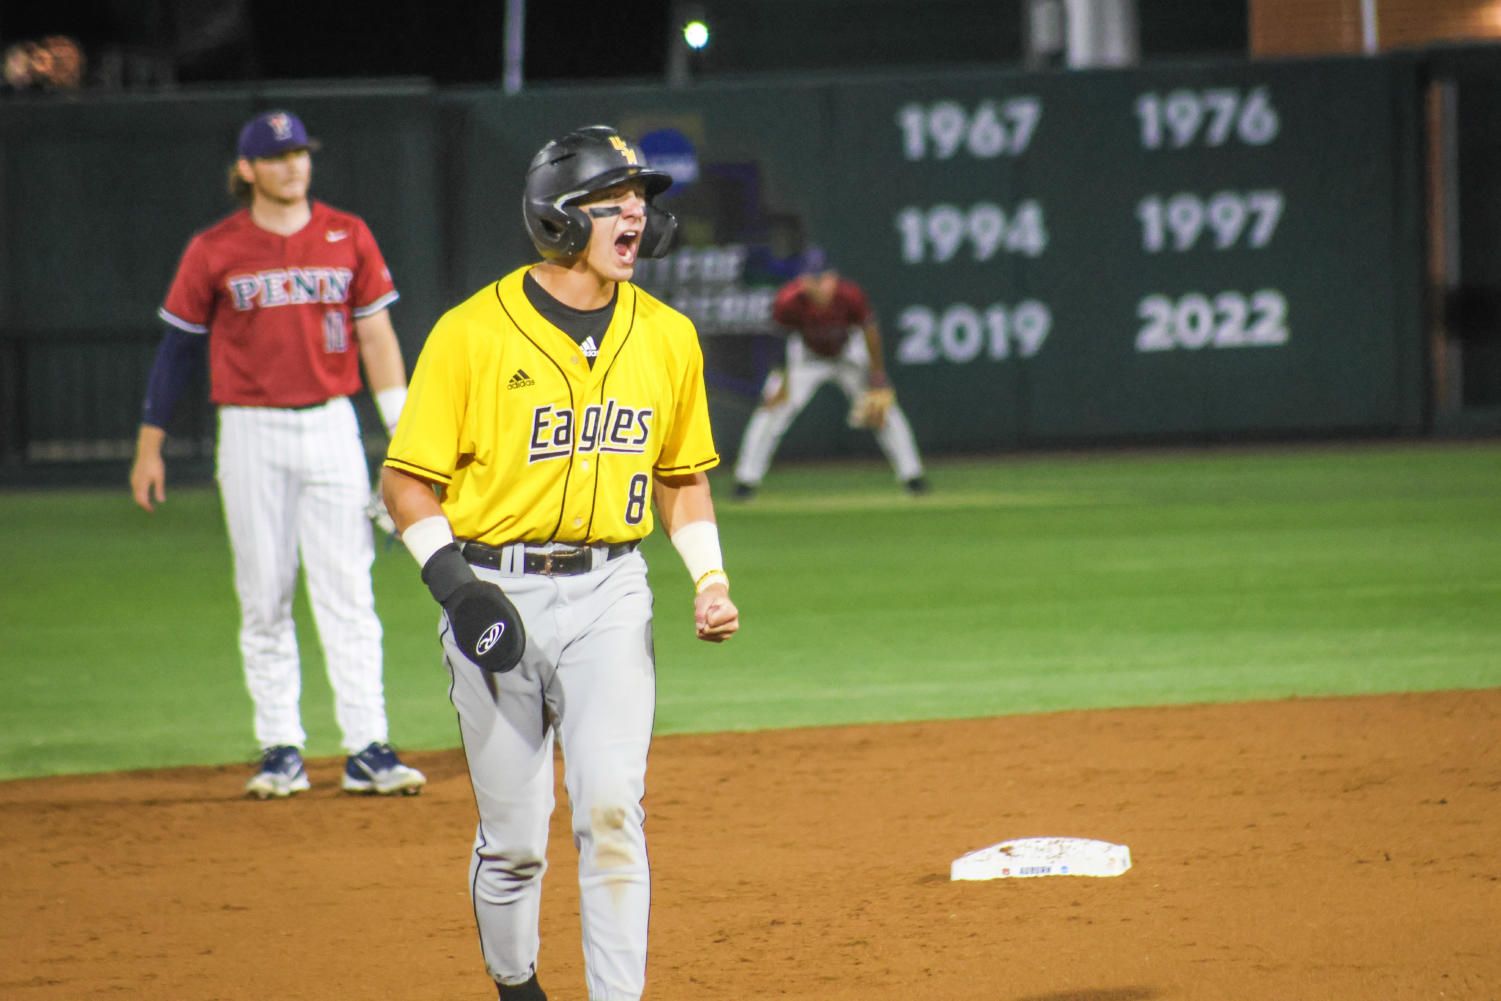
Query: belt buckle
x,y
556,562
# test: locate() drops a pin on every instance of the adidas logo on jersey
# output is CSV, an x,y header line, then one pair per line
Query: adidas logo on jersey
x,y
589,348
520,380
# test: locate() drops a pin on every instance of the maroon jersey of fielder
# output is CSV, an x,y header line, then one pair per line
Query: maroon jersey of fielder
x,y
826,328
280,310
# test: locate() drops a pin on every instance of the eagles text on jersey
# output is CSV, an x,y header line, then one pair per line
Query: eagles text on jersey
x,y
609,428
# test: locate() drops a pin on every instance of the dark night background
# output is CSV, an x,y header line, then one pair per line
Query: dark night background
x,y
146,43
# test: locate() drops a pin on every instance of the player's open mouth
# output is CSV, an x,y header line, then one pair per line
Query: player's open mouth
x,y
626,245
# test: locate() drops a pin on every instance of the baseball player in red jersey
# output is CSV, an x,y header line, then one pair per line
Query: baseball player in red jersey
x,y
824,311
552,411
287,297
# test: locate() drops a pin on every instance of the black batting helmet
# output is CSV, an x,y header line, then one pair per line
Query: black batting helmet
x,y
567,170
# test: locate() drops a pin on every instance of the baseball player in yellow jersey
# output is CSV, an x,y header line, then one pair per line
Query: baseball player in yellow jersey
x,y
552,412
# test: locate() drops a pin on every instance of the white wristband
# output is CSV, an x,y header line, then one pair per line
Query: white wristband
x,y
427,536
698,544
389,402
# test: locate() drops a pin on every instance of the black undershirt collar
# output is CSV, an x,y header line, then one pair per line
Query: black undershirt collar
x,y
586,326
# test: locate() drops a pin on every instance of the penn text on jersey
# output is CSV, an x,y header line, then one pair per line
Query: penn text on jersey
x,y
289,287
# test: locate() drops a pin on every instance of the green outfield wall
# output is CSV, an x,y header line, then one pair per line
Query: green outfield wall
x,y
1170,252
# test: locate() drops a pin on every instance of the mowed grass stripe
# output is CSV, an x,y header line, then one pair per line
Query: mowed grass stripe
x,y
1022,584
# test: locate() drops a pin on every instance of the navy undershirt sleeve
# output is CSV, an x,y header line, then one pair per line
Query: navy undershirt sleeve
x,y
178,358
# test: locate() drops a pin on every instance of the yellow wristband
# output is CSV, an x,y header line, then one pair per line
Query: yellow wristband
x,y
712,577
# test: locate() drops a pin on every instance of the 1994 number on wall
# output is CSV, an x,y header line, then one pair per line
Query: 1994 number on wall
x,y
1227,320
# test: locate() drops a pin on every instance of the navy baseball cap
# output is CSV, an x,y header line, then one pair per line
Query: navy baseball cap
x,y
813,261
273,133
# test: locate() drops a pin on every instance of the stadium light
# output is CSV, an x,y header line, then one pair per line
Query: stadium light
x,y
688,36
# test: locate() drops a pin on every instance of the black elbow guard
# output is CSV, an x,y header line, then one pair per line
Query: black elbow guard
x,y
486,626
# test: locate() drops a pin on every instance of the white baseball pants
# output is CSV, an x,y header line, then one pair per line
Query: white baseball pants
x,y
294,485
588,680
805,373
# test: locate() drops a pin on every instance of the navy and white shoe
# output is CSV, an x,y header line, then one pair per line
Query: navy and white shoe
x,y
529,991
378,770
281,774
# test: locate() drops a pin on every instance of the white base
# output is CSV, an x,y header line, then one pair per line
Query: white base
x,y
1027,857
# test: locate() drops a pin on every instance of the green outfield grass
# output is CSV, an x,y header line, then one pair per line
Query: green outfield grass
x,y
1021,584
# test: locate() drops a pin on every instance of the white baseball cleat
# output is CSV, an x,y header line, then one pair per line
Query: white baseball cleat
x,y
378,770
281,774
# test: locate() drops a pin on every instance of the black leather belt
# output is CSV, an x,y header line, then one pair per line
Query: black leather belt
x,y
553,563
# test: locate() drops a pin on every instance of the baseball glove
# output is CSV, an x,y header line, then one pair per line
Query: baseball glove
x,y
870,408
375,510
774,391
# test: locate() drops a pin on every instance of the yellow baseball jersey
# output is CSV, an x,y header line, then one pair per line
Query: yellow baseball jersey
x,y
529,442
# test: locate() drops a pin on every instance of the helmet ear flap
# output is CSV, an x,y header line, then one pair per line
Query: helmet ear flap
x,y
576,232
661,227
564,230
557,230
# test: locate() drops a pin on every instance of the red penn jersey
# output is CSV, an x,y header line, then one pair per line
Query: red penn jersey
x,y
824,329
279,311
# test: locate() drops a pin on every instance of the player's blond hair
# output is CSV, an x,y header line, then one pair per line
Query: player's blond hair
x,y
241,190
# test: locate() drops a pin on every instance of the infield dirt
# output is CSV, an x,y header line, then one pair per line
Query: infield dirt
x,y
1344,849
